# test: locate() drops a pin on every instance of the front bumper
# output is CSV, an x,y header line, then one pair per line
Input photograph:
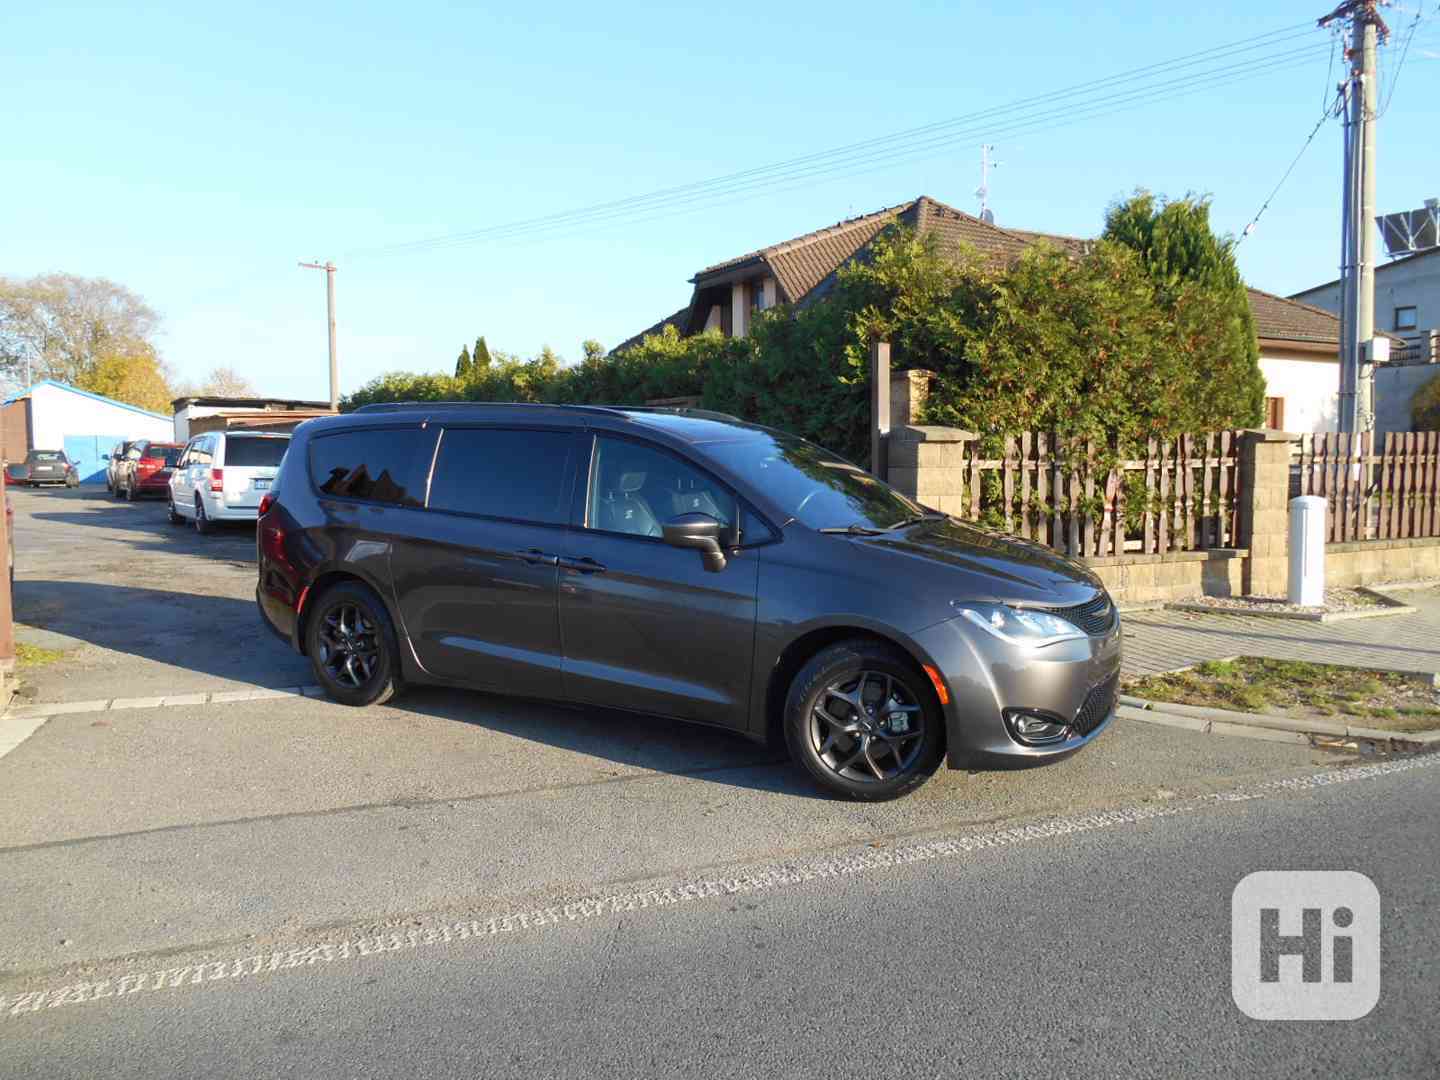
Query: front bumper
x,y
985,677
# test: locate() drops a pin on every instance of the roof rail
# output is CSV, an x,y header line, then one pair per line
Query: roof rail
x,y
413,406
609,410
682,410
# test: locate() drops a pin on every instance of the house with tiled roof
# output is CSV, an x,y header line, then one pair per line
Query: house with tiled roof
x,y
1299,343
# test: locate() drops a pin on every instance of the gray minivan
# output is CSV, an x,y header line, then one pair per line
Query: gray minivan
x,y
683,564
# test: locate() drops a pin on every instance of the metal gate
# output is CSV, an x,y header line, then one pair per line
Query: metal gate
x,y
90,454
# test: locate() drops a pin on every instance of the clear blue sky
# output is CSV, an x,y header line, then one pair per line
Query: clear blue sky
x,y
194,153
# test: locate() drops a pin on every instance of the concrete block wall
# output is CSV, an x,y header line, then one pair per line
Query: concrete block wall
x,y
1365,562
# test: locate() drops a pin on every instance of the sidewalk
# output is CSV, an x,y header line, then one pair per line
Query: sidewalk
x,y
1165,640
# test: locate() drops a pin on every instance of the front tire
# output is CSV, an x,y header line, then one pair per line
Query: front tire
x,y
864,721
175,518
130,492
352,645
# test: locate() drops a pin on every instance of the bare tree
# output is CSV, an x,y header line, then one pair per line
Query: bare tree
x,y
221,382
60,326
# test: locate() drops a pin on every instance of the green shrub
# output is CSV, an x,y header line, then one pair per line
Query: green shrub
x,y
1425,406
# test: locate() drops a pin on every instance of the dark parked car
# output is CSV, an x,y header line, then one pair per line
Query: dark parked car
x,y
683,564
112,463
145,469
47,467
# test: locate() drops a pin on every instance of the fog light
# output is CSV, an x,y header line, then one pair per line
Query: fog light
x,y
1034,728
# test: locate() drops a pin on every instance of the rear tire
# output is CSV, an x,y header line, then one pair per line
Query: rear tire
x,y
865,687
352,645
202,522
130,492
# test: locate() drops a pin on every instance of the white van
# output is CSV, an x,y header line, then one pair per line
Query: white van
x,y
223,475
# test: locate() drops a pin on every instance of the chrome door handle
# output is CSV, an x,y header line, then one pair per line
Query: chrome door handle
x,y
585,565
534,556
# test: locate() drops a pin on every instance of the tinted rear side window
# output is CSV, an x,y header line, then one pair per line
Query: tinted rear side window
x,y
504,473
243,453
381,464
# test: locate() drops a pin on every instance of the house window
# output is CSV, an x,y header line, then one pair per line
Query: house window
x,y
757,295
1275,413
1405,318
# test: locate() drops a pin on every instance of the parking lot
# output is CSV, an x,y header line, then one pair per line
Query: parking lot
x,y
182,833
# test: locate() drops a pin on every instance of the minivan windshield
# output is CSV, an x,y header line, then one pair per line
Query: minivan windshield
x,y
819,488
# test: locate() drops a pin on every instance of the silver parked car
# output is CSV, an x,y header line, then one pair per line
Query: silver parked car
x,y
223,475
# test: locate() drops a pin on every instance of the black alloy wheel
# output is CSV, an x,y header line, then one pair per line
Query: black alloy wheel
x,y
863,721
352,645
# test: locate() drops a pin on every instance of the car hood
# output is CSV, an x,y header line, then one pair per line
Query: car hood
x,y
997,566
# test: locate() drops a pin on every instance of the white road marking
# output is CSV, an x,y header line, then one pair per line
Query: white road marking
x,y
319,952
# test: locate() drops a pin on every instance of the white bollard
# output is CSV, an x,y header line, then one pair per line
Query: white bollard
x,y
1307,551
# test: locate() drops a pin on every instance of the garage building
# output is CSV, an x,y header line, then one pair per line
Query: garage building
x,y
55,416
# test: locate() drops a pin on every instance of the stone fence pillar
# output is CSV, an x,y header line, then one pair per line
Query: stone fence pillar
x,y
928,464
1264,509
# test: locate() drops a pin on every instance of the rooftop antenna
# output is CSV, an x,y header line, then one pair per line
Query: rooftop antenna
x,y
983,191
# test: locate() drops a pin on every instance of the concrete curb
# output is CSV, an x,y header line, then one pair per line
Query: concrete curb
x,y
45,710
1329,734
1388,606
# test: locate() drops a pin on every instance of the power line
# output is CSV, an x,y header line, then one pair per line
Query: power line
x,y
1044,123
1400,64
940,131
1326,115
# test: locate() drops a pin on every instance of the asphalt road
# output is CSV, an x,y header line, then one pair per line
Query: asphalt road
x,y
461,885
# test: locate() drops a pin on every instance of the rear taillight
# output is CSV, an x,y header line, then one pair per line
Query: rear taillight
x,y
150,463
266,501
217,479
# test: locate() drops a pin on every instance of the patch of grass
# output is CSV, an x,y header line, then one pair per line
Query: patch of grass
x,y
1299,688
1217,669
35,655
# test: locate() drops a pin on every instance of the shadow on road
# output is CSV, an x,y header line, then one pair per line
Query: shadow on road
x,y
147,519
223,637
630,739
213,635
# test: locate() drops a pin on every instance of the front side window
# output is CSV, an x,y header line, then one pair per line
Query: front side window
x,y
1405,318
505,473
386,465
635,489
819,488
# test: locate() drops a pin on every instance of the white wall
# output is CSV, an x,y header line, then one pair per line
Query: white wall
x,y
1311,389
1413,282
56,413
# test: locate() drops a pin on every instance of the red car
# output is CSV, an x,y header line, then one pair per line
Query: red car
x,y
145,469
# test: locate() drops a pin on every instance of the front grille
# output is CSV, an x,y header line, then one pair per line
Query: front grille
x,y
1097,706
1095,616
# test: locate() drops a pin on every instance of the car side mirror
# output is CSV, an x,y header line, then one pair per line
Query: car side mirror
x,y
700,532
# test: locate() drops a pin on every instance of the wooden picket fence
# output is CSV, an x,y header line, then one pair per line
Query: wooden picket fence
x,y
1182,495
1392,494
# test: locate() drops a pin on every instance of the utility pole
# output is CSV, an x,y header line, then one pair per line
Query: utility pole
x,y
329,269
1357,245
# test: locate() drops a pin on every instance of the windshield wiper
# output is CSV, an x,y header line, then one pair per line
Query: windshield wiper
x,y
915,519
853,529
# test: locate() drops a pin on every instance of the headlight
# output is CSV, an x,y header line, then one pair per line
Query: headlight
x,y
1020,626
